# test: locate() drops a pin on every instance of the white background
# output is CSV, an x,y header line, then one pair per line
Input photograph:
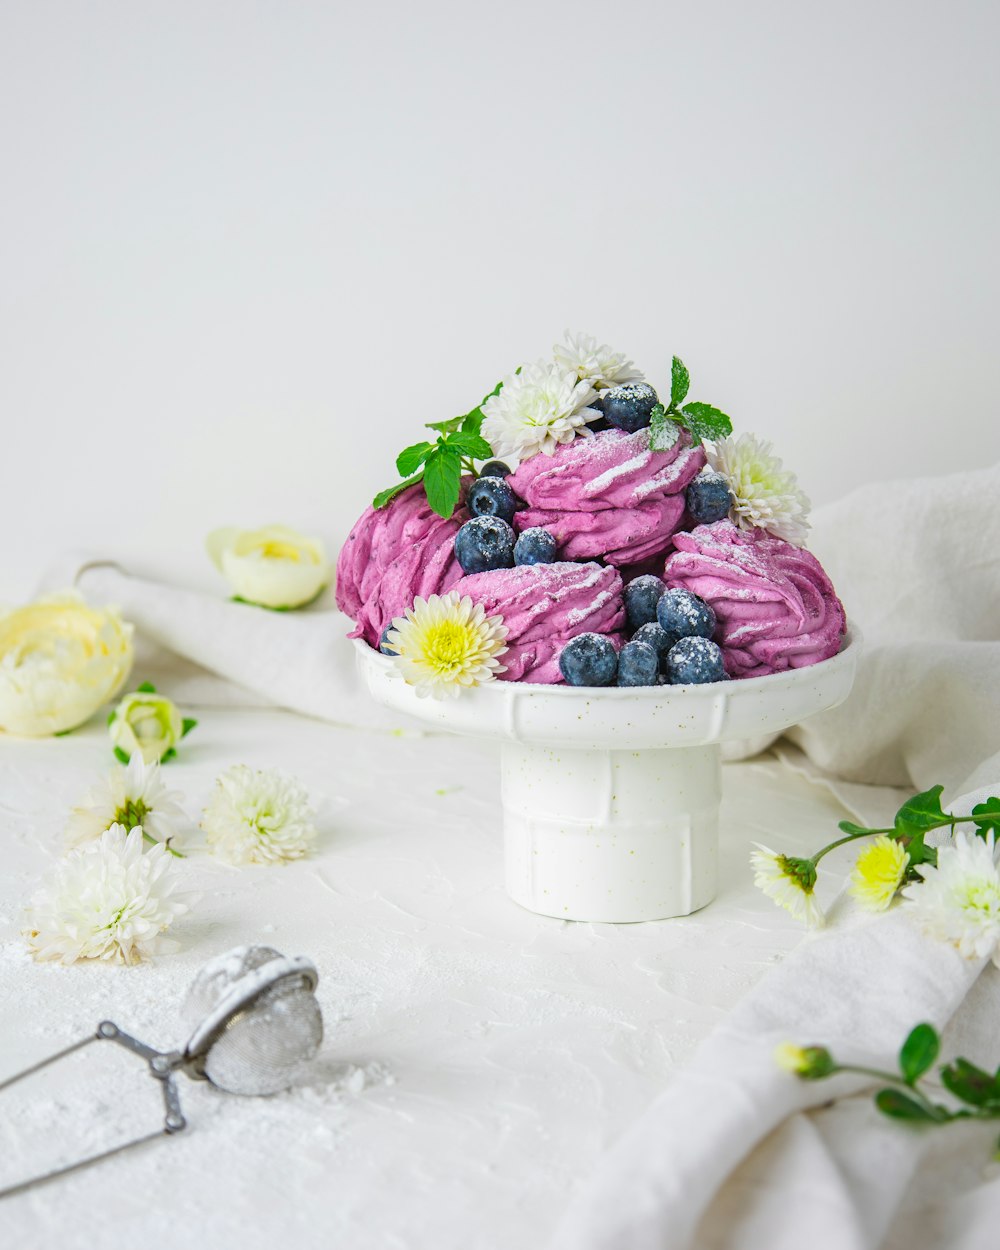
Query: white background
x,y
246,249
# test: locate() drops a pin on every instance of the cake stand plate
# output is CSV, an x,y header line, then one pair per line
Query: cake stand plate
x,y
611,796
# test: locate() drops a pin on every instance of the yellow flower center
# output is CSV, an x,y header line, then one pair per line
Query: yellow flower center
x,y
878,873
275,549
447,645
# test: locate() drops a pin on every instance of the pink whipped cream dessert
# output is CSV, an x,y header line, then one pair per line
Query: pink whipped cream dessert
x,y
543,607
608,495
776,607
393,555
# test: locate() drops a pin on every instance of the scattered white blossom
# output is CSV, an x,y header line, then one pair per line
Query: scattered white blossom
x,y
537,410
127,796
258,816
446,643
598,364
789,881
959,900
108,901
765,495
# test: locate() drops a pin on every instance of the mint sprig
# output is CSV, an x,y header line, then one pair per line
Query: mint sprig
x,y
439,465
700,420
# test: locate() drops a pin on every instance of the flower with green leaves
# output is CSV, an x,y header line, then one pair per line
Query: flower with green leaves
x,y
901,1097
149,724
700,420
789,880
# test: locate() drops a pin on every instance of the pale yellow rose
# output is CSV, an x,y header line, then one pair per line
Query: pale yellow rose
x,y
59,661
148,724
274,567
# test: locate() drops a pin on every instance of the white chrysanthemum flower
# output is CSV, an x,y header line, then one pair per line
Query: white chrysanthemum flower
x,y
258,816
127,796
959,900
789,881
598,364
878,873
537,410
107,901
765,495
445,643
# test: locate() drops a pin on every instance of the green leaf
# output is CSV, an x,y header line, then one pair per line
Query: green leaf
x,y
663,430
704,421
167,756
147,687
989,814
971,1084
848,826
680,380
121,756
187,725
383,497
62,733
918,1052
473,423
411,458
469,445
900,1106
111,716
497,389
442,480
445,427
921,813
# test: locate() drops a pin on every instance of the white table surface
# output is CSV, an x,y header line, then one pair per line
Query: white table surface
x,y
478,1059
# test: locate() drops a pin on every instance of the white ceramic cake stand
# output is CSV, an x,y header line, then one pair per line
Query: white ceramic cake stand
x,y
611,796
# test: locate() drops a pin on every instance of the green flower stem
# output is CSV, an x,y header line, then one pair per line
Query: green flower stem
x,y
893,1078
148,837
850,837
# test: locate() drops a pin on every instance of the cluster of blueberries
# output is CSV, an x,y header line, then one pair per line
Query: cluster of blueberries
x,y
671,642
488,541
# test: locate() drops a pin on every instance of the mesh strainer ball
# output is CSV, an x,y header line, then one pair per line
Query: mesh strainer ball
x,y
257,1021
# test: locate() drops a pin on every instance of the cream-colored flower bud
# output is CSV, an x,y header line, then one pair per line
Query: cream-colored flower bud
x,y
148,724
273,567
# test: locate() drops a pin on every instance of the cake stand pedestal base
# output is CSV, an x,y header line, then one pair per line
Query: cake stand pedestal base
x,y
611,835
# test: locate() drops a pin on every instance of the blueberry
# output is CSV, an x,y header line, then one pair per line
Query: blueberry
x,y
685,615
491,496
641,597
709,497
657,637
485,542
494,468
589,660
629,406
384,645
535,546
694,661
638,664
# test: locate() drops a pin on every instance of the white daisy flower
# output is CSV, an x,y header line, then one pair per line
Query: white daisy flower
x,y
959,900
764,494
445,643
258,816
108,901
789,881
127,796
537,410
598,364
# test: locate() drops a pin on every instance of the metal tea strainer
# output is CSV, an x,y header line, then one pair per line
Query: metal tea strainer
x,y
256,1025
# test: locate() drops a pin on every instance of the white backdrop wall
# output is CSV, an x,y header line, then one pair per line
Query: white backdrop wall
x,y
247,248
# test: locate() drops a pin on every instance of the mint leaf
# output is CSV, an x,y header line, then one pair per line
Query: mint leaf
x,y
473,423
680,380
468,444
848,826
383,497
147,687
497,389
411,458
921,813
704,421
663,431
918,1052
442,480
971,1084
900,1106
188,724
444,427
989,817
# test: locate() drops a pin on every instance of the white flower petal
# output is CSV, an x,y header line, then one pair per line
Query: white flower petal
x,y
258,817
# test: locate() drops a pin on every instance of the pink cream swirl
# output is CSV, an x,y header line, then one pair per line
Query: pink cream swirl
x,y
776,607
543,607
608,495
392,555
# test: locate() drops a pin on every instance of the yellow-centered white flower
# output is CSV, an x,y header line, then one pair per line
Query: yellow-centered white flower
x,y
596,363
106,901
274,567
789,881
536,410
60,660
878,873
146,723
445,644
959,900
258,816
765,495
127,796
